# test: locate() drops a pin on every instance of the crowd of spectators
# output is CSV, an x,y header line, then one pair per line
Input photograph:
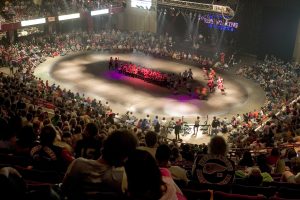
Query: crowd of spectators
x,y
18,10
41,46
78,136
279,115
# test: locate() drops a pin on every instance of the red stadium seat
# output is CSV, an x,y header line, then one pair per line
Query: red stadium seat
x,y
197,194
226,196
253,190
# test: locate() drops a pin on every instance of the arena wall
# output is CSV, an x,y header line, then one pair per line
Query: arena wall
x,y
136,19
296,55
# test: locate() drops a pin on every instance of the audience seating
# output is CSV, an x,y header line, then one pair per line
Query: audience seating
x,y
201,186
10,159
226,196
104,195
289,193
278,198
39,176
41,191
197,194
253,190
282,184
181,183
276,177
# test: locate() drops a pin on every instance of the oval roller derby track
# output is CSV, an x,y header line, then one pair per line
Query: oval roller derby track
x,y
88,73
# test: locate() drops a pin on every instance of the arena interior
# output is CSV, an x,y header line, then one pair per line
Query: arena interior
x,y
150,99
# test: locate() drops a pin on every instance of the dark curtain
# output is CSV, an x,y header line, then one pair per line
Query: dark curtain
x,y
279,31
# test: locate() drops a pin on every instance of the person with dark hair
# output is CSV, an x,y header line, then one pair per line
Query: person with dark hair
x,y
177,129
163,155
77,135
196,125
273,157
89,146
261,162
214,167
103,175
11,183
66,141
110,63
256,174
25,140
247,160
6,136
143,177
146,181
48,156
215,124
151,143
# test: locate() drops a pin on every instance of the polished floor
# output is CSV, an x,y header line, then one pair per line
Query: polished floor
x,y
88,74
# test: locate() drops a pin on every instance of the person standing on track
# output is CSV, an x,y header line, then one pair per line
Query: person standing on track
x,y
196,126
177,129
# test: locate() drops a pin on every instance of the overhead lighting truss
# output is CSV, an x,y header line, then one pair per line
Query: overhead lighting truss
x,y
224,10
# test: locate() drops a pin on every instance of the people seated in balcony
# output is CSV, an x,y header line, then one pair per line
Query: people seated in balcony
x,y
151,143
178,174
26,139
273,157
247,160
143,177
11,183
147,181
7,138
215,167
46,155
253,177
90,145
106,174
291,176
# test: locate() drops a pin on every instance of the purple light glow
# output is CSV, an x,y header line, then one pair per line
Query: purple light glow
x,y
114,75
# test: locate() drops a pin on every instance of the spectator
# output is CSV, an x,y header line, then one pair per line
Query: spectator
x,y
65,142
290,177
150,183
274,157
254,177
25,140
11,183
261,162
178,174
214,167
89,147
143,177
7,138
247,160
84,176
151,143
46,155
